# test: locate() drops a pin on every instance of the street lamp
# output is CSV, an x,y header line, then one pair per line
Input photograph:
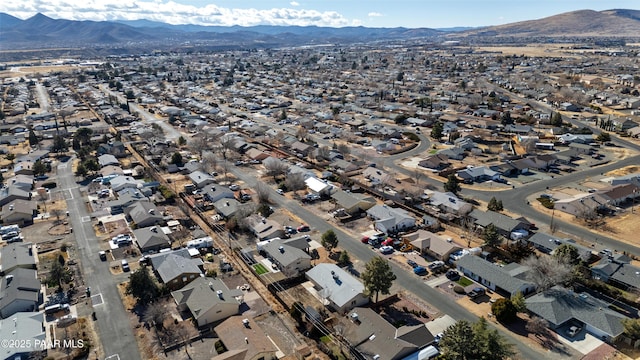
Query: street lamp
x,y
633,200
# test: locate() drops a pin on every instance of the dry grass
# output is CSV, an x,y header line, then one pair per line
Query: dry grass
x,y
624,171
32,70
535,50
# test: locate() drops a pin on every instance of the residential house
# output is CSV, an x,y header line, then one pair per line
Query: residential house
x,y
301,148
214,192
244,339
17,255
627,277
176,268
391,220
375,338
454,153
477,174
449,203
376,176
124,182
111,170
583,149
338,289
619,194
126,198
144,214
353,203
318,186
19,292
548,244
265,229
23,168
226,207
151,239
503,223
19,212
581,204
24,182
431,244
201,179
560,306
506,280
290,260
115,148
107,159
567,106
27,328
435,162
208,300
255,154
11,193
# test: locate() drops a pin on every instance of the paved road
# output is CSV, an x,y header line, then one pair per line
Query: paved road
x,y
114,329
43,98
405,279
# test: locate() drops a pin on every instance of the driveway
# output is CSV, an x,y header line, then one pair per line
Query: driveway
x,y
584,342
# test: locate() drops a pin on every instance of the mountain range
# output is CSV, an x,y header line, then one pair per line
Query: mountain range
x,y
41,31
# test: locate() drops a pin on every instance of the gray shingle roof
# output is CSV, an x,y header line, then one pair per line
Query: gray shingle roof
x,y
284,254
502,277
173,264
201,294
559,305
342,289
16,255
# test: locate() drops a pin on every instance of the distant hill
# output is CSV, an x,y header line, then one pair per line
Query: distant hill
x,y
41,31
582,23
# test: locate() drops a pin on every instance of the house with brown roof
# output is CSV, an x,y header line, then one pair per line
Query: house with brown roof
x,y
619,194
431,244
435,162
244,339
19,212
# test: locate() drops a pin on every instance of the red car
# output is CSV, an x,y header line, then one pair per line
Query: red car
x,y
388,242
303,228
364,240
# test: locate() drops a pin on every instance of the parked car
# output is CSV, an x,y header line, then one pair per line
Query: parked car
x,y
280,191
573,330
125,265
436,265
386,249
102,255
420,270
234,187
476,292
453,275
412,263
303,228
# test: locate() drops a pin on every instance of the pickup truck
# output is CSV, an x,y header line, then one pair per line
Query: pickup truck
x,y
476,292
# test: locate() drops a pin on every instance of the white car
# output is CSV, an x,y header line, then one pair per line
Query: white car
x,y
234,187
386,250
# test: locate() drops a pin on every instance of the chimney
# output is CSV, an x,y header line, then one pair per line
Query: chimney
x,y
281,248
219,293
11,207
9,279
246,339
154,229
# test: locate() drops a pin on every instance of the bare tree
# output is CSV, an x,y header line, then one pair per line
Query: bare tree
x,y
537,325
57,213
418,175
225,166
43,197
199,145
243,215
209,162
344,149
302,133
547,271
184,332
155,314
295,182
275,167
226,143
322,153
264,193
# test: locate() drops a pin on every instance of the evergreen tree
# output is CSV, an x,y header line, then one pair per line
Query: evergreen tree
x,y
329,240
452,185
142,286
491,236
378,276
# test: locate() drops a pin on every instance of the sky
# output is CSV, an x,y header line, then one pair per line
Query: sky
x,y
333,13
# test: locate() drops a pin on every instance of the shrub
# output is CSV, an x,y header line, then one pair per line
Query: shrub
x,y
504,310
458,290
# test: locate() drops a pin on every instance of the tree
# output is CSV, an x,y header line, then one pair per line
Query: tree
x,y
344,258
59,144
452,185
465,341
39,168
488,343
83,135
322,153
182,141
209,162
506,119
275,167
547,271
295,182
456,340
176,158
519,302
537,326
344,149
33,139
504,310
378,276
264,194
495,204
491,236
329,240
603,137
142,287
632,328
155,314
556,119
567,253
199,145
436,131
58,275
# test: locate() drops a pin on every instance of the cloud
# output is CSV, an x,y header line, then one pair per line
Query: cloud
x,y
374,14
171,12
294,3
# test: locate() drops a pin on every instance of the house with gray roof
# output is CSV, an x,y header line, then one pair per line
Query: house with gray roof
x,y
26,327
19,292
20,212
290,260
449,203
375,338
265,229
24,182
12,193
391,220
478,174
560,306
353,203
215,192
123,182
337,288
126,198
201,179
503,223
176,268
151,239
144,213
17,255
506,280
227,208
209,300
627,276
107,159
549,243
